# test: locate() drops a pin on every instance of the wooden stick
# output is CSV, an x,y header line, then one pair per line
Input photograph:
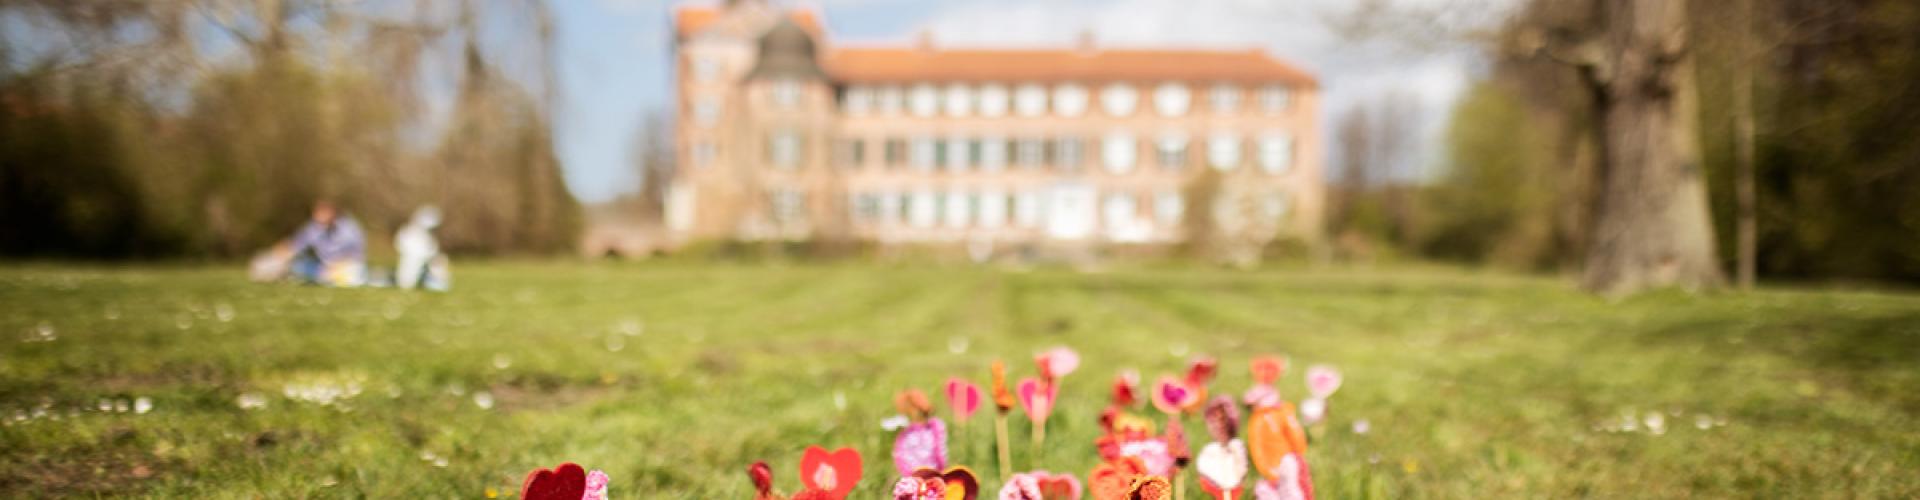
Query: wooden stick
x,y
1179,485
1006,456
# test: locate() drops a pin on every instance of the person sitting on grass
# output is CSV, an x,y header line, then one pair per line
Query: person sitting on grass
x,y
330,250
421,263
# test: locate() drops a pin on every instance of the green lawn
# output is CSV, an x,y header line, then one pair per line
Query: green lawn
x,y
674,376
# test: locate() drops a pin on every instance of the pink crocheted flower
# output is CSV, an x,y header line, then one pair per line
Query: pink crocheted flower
x,y
921,446
596,486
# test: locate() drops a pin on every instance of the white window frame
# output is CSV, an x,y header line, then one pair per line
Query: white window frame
x,y
857,100
992,209
1276,152
1225,98
1175,145
891,101
957,100
1275,98
1223,151
1070,153
1030,100
705,68
784,149
1119,152
785,93
1172,99
923,100
993,100
924,211
993,153
1168,207
1119,99
706,110
1069,100
1027,207
920,153
958,211
1030,152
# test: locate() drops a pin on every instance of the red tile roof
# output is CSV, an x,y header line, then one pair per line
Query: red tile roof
x,y
1018,65
688,20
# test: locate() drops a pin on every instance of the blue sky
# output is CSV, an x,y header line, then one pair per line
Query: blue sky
x,y
615,56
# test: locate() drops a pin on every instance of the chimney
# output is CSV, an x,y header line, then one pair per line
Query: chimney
x,y
1086,43
923,40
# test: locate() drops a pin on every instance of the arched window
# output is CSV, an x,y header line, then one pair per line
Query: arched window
x,y
993,100
1119,99
1070,100
1030,100
959,100
924,100
1172,99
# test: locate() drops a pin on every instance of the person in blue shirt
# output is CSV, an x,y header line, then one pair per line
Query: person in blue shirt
x,y
330,249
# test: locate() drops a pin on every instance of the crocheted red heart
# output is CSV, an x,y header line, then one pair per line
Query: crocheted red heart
x,y
566,482
834,472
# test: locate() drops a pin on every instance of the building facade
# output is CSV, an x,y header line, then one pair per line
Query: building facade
x,y
781,136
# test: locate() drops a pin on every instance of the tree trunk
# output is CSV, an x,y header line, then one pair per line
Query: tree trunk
x,y
1745,224
1651,227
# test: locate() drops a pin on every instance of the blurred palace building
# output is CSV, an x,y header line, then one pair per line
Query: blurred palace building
x,y
783,135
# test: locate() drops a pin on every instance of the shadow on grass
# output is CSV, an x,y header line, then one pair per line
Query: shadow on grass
x,y
1872,353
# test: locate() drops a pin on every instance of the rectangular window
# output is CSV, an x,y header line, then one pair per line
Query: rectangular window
x,y
1275,98
1168,207
956,154
925,211
890,98
856,100
1069,154
783,149
848,154
1171,152
993,154
896,152
1226,98
866,207
786,93
1026,209
787,206
993,209
976,152
958,210
703,153
926,152
1030,153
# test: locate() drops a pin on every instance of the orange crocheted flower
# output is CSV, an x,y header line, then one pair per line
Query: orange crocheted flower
x,y
1002,397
